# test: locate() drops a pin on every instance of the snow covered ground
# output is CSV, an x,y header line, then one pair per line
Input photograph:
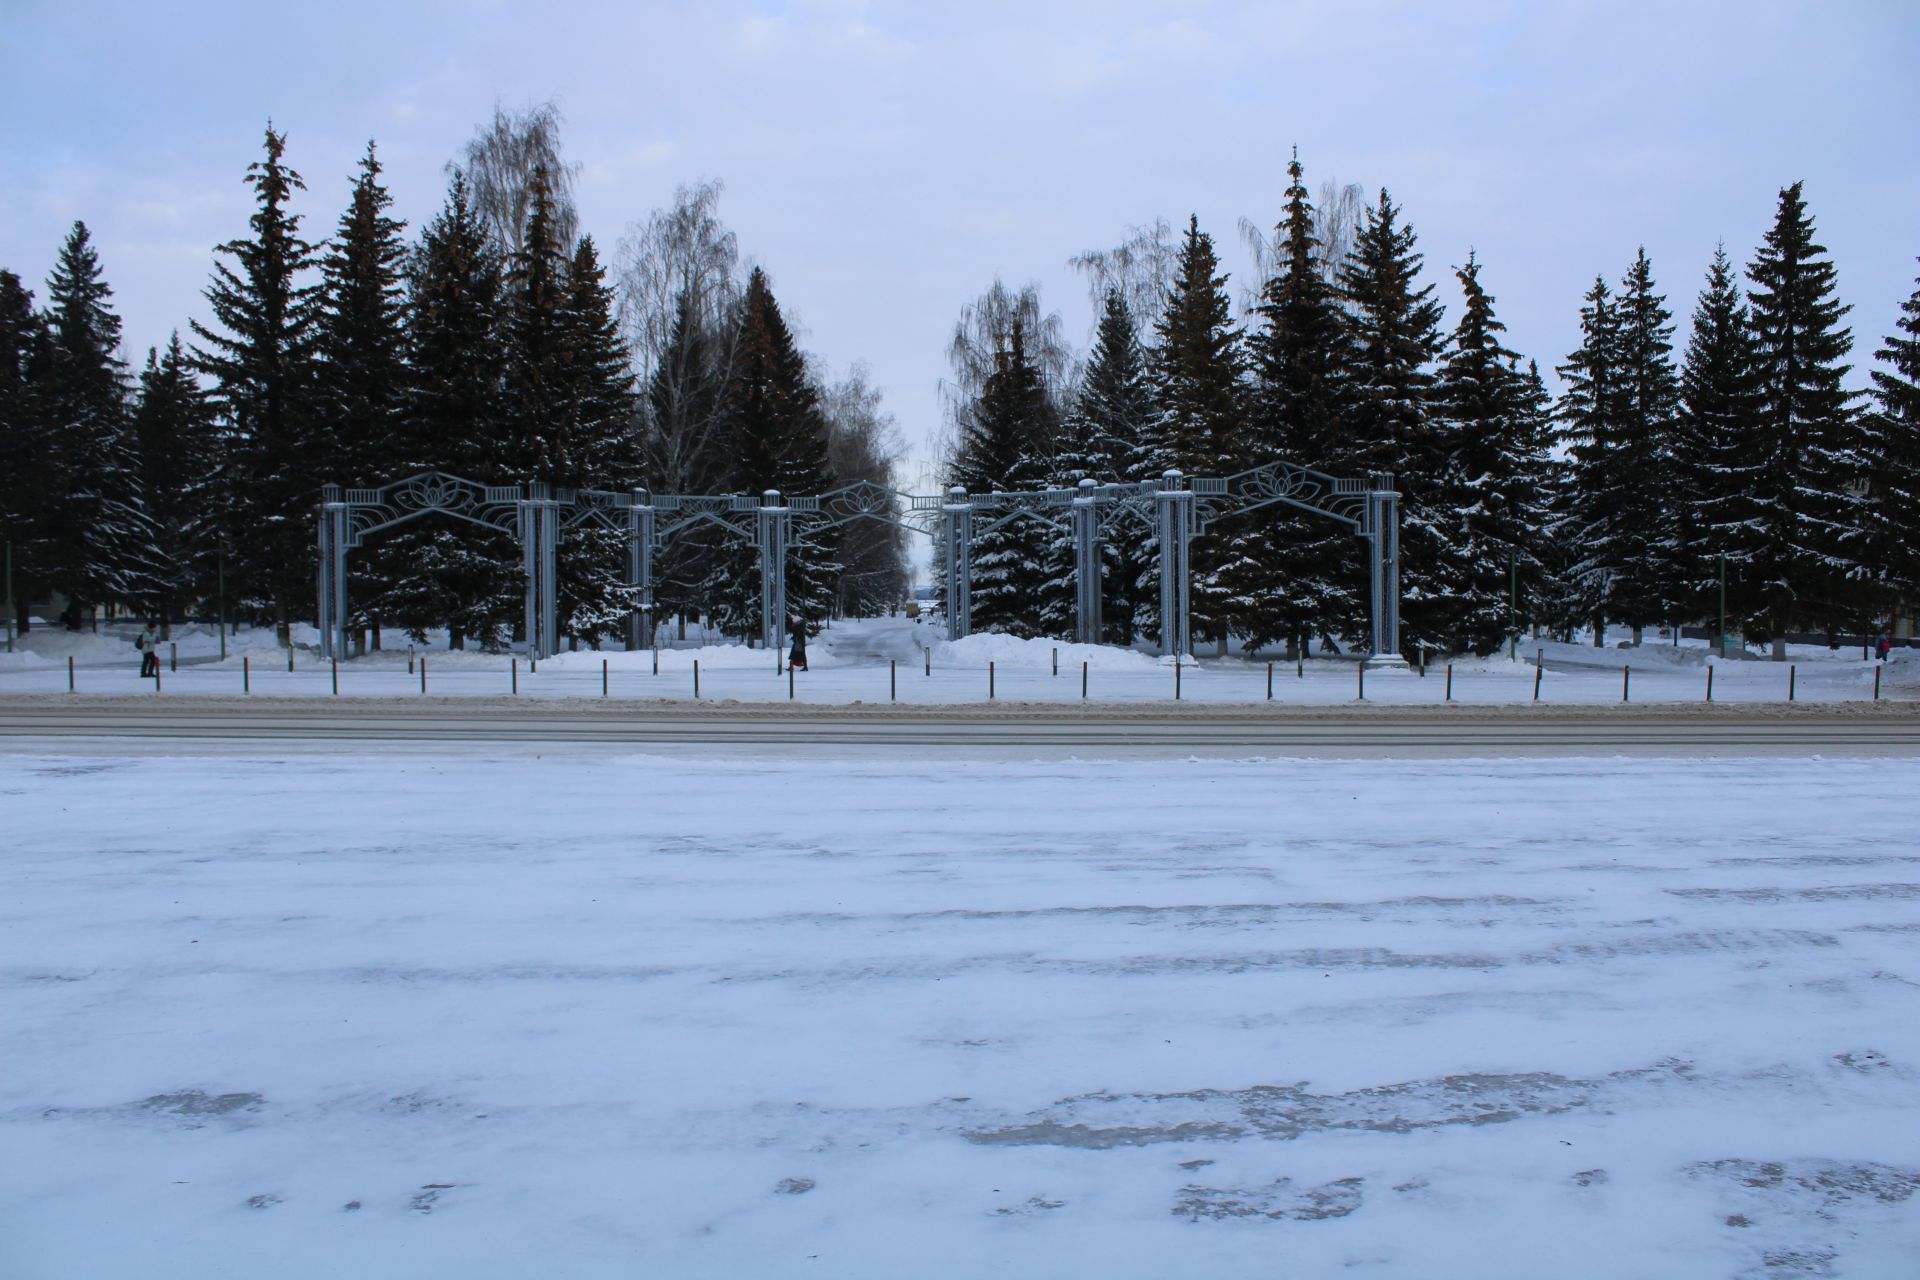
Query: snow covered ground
x,y
851,663
580,1015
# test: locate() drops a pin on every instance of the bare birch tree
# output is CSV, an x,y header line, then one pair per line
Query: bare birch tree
x,y
500,160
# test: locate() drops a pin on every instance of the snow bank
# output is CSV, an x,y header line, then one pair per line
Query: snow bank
x,y
1014,652
51,647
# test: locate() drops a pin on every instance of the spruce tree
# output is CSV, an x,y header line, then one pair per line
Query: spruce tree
x,y
1393,338
1809,569
1646,586
1297,577
360,343
534,427
779,433
174,434
260,355
1104,439
1896,456
1717,463
1497,440
1196,369
453,573
1003,452
1591,413
99,538
599,447
28,484
684,450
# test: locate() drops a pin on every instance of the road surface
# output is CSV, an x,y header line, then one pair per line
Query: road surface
x,y
30,724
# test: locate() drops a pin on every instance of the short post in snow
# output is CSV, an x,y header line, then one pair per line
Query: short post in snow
x,y
1626,681
1709,683
515,667
289,658
1056,660
1791,667
1362,673
423,673
335,663
246,675
1449,682
1083,680
409,659
1876,683
1269,682
1299,666
789,684
603,677
989,681
69,673
656,659
1539,669
928,655
893,680
1176,679
156,679
173,656
696,679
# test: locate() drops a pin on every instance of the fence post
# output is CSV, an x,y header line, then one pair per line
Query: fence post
x,y
927,653
696,679
69,673
1876,683
1791,668
1626,681
789,682
156,679
409,659
1056,660
893,680
1709,683
173,656
246,675
1300,665
1269,682
289,658
423,673
989,681
1176,679
1538,671
1083,681
336,677
1449,682
1362,673
516,675
656,659
603,677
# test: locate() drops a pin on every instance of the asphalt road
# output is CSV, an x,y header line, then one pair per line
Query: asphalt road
x,y
56,724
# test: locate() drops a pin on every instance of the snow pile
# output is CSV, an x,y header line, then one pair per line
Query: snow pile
x,y
52,646
1013,652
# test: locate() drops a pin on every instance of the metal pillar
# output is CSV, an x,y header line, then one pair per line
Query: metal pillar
x,y
1086,563
640,536
1173,504
958,522
774,524
1382,532
540,561
331,614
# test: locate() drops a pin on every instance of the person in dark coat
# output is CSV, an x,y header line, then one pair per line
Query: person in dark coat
x,y
797,656
148,643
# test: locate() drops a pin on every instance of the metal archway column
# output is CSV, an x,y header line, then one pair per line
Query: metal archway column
x,y
1173,504
958,547
540,558
1086,563
331,615
640,539
773,530
1382,533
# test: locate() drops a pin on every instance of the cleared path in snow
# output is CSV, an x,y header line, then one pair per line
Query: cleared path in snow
x,y
28,724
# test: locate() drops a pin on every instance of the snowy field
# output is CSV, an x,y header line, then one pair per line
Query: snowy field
x,y
560,1014
892,659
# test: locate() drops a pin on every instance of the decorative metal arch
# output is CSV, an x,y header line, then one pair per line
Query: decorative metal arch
x,y
1176,509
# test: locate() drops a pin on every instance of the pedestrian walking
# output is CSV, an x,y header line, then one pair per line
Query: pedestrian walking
x,y
1883,646
797,656
148,644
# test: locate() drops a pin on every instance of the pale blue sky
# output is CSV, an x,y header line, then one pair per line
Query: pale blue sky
x,y
885,161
